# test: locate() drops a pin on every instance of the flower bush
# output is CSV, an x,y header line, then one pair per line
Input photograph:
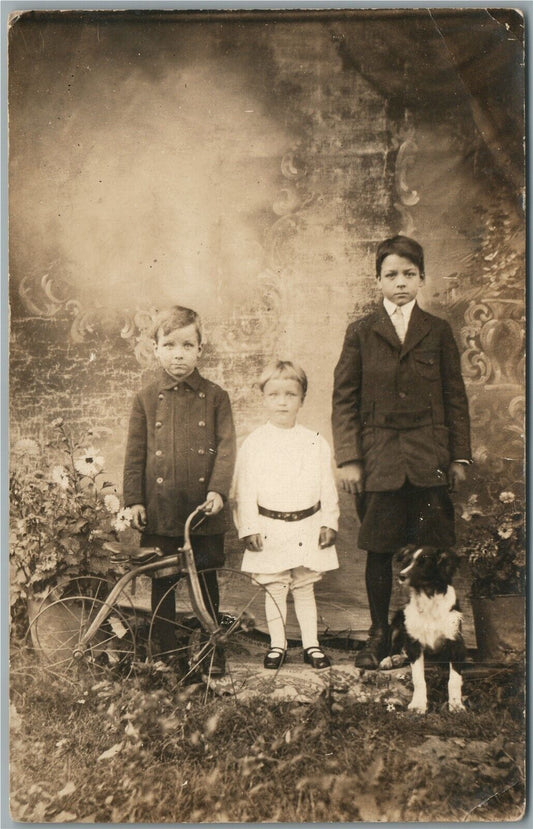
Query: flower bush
x,y
61,513
493,537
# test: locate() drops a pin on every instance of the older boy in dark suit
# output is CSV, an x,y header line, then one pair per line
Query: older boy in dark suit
x,y
400,427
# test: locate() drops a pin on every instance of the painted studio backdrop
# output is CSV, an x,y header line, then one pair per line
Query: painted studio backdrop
x,y
247,164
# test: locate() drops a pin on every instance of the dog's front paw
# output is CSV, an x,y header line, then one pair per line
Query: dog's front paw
x,y
456,705
418,706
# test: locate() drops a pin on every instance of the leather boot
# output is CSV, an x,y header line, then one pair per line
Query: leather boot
x,y
374,650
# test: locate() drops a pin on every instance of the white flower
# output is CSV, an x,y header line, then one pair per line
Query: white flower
x,y
123,520
60,477
112,504
90,463
26,446
390,706
57,422
507,497
470,509
505,531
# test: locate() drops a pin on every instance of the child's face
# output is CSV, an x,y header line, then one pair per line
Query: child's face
x,y
282,399
400,279
179,351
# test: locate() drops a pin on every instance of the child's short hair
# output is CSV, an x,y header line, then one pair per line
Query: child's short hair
x,y
175,317
286,369
401,246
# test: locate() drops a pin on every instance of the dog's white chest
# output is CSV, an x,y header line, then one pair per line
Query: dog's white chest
x,y
430,619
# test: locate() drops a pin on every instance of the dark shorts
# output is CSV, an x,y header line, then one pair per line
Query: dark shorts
x,y
410,515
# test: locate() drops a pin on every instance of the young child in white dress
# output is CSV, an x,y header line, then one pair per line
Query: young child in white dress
x,y
287,511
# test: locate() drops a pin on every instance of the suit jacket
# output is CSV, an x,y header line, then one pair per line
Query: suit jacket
x,y
181,445
401,409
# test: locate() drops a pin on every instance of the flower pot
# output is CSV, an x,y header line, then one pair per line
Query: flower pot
x,y
499,622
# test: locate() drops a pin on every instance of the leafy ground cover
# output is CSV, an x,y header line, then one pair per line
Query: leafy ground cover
x,y
141,750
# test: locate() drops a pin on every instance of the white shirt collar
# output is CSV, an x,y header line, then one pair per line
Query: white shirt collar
x,y
406,309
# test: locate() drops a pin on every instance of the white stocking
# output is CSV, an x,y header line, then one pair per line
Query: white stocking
x,y
276,613
306,613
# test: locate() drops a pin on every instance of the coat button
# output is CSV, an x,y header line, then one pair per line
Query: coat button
x,y
161,396
202,395
159,480
201,423
201,451
176,388
201,480
159,453
402,394
158,424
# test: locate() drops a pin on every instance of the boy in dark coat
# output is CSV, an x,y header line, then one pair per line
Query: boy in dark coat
x,y
180,453
400,427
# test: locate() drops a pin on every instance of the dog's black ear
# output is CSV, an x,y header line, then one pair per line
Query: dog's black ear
x,y
404,555
447,563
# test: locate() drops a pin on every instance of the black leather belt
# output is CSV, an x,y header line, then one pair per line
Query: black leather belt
x,y
297,515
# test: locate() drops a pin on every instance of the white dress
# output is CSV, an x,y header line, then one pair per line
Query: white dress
x,y
285,470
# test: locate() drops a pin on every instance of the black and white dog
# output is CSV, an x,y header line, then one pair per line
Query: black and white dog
x,y
430,622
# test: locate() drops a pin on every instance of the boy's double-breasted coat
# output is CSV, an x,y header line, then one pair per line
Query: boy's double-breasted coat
x,y
400,408
181,445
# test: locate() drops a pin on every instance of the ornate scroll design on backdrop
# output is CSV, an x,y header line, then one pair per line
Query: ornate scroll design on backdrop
x,y
493,364
491,303
406,197
47,295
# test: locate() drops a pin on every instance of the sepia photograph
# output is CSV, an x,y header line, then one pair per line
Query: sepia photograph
x,y
267,398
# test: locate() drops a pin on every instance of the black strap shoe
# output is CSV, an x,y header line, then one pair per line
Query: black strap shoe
x,y
316,657
274,658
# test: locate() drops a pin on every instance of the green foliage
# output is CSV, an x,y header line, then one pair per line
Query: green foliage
x,y
61,511
137,751
493,536
497,266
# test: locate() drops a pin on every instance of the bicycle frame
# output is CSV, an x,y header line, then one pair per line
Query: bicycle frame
x,y
184,559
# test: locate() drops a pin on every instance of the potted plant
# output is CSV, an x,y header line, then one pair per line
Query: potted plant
x,y
62,510
493,537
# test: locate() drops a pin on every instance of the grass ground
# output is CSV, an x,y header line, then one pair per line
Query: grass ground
x,y
140,750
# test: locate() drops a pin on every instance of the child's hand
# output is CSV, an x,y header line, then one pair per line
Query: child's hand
x,y
456,475
138,516
253,542
351,476
327,537
212,504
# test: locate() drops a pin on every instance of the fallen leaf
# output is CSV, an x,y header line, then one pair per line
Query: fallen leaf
x,y
111,752
64,817
131,731
68,789
117,627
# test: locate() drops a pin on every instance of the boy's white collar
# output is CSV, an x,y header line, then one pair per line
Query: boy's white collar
x,y
407,309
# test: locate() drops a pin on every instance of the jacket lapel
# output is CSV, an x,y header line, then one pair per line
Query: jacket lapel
x,y
419,326
383,326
